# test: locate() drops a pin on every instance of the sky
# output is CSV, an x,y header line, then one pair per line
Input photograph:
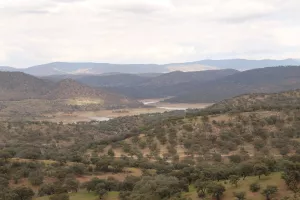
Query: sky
x,y
146,31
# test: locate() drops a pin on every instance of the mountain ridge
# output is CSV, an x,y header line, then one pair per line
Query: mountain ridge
x,y
59,68
262,80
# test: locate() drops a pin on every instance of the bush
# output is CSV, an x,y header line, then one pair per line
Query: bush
x,y
254,187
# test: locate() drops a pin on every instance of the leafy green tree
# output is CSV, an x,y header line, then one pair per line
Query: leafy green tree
x,y
23,193
261,169
78,169
216,190
124,195
158,187
234,179
129,182
270,191
71,184
235,158
46,189
201,187
91,185
101,190
36,178
246,169
291,175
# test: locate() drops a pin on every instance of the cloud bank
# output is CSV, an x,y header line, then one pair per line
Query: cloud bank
x,y
146,31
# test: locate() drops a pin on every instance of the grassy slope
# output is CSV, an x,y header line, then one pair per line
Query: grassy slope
x,y
243,186
83,195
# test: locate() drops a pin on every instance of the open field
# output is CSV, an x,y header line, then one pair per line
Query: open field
x,y
82,195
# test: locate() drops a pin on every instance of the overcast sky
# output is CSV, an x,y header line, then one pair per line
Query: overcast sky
x,y
146,31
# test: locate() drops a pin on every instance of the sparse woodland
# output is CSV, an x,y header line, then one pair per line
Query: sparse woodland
x,y
227,151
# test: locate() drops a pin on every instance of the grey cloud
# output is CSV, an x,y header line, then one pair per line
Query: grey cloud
x,y
146,31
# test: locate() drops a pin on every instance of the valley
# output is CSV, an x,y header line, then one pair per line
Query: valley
x,y
245,146
149,100
150,106
69,140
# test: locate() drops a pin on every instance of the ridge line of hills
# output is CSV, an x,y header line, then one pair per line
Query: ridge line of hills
x,y
198,87
207,86
59,68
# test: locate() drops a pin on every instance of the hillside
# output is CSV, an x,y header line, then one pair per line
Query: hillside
x,y
23,95
145,80
18,86
171,84
260,101
70,89
264,80
115,80
60,68
177,77
172,156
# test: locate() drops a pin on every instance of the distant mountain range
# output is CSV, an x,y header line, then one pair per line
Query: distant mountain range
x,y
151,81
199,87
64,68
137,86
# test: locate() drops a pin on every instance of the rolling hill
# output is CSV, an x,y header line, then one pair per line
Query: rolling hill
x,y
199,87
25,95
249,153
166,79
115,80
70,89
170,84
258,101
264,80
19,86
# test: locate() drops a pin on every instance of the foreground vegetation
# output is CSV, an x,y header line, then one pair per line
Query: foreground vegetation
x,y
218,153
